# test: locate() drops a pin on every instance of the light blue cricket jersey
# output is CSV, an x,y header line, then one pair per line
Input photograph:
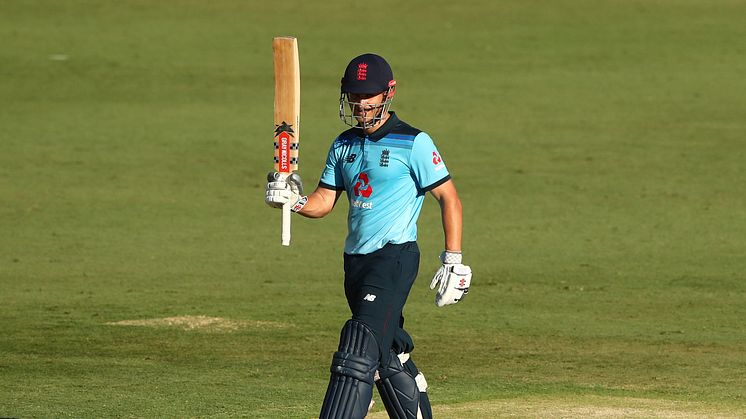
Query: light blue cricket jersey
x,y
386,176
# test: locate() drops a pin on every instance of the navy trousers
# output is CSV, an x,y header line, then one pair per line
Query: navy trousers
x,y
377,286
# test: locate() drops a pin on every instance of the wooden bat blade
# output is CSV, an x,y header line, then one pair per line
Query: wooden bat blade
x,y
286,115
287,103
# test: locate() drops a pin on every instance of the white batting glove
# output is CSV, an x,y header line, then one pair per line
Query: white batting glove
x,y
454,279
282,189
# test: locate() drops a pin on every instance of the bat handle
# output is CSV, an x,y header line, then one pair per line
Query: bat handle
x,y
286,224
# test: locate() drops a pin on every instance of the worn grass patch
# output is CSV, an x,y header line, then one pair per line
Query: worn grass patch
x,y
577,407
217,324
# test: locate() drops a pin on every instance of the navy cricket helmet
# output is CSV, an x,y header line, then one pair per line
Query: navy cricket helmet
x,y
367,73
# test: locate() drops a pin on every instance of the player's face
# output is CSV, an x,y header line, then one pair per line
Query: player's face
x,y
366,106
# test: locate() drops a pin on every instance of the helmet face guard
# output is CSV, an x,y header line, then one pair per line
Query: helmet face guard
x,y
367,74
349,112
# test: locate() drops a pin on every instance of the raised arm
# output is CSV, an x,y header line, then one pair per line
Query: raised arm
x,y
320,203
282,190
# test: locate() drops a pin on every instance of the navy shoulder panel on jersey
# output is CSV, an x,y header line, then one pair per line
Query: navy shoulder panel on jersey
x,y
399,134
347,137
404,130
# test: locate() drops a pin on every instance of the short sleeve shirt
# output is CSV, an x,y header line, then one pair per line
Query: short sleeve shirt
x,y
385,176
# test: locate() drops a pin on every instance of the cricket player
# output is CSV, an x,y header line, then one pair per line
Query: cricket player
x,y
385,167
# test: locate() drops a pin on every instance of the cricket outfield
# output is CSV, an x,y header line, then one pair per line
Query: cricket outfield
x,y
598,147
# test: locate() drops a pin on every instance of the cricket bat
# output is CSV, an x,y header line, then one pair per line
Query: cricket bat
x,y
287,115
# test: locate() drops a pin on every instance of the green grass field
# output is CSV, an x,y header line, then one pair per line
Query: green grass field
x,y
599,148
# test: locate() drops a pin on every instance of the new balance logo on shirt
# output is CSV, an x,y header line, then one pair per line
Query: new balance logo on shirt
x,y
369,297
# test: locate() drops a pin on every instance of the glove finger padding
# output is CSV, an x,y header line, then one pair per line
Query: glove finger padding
x,y
278,192
454,285
274,176
276,198
277,180
278,186
285,189
438,276
295,183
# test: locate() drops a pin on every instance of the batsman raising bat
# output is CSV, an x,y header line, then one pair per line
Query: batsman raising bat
x,y
385,167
